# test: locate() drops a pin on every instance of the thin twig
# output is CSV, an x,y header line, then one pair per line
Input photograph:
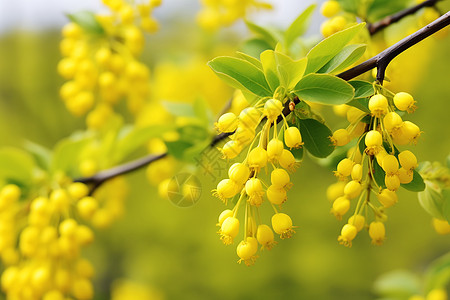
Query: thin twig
x,y
382,60
377,26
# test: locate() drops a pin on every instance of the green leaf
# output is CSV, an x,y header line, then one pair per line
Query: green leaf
x,y
431,200
397,283
416,185
299,26
360,103
268,35
324,89
202,112
67,151
254,61
193,140
345,58
87,21
350,6
446,205
241,74
323,52
16,165
363,89
289,70
255,47
270,69
178,148
136,138
438,273
42,156
316,137
378,174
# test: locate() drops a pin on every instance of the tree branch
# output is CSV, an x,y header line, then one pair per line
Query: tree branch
x,y
377,26
379,61
382,60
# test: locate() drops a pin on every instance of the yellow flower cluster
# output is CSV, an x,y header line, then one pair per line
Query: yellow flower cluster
x,y
42,239
379,133
102,67
337,19
216,13
245,180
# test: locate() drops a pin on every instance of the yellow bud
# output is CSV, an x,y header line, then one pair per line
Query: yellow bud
x,y
280,178
272,109
390,165
405,102
340,207
224,215
275,148
373,142
229,230
282,225
239,173
265,236
387,198
340,137
377,232
78,190
357,171
348,233
437,294
82,289
441,226
335,190
378,105
257,158
227,122
293,138
287,160
344,168
243,135
231,149
246,250
358,221
392,121
392,182
352,189
276,195
250,117
407,160
330,8
405,176
87,206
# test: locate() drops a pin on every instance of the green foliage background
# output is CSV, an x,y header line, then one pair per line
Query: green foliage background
x,y
178,252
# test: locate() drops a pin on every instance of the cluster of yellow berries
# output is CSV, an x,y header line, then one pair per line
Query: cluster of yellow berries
x,y
245,183
337,20
216,13
41,241
381,130
102,68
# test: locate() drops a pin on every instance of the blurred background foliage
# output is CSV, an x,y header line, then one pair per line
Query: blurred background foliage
x,y
176,252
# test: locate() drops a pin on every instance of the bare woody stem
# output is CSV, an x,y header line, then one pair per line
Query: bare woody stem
x,y
382,60
377,26
379,61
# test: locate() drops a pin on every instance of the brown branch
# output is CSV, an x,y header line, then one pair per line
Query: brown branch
x,y
382,60
377,26
379,61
